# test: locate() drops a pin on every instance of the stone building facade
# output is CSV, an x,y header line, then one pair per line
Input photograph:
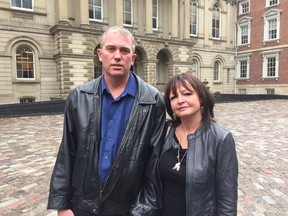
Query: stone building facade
x,y
47,48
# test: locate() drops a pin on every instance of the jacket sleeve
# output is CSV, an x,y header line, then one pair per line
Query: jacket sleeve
x,y
227,177
60,184
149,200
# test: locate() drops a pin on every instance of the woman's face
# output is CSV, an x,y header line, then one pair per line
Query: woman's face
x,y
186,103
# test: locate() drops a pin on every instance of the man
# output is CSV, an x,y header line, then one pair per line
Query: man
x,y
112,137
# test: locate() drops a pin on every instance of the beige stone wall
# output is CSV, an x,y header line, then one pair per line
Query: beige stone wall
x,y
64,40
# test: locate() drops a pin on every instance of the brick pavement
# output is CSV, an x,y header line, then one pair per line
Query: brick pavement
x,y
28,146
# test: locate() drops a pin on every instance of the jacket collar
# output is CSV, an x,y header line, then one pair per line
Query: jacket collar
x,y
143,96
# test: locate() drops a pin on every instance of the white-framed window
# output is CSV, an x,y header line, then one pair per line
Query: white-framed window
x,y
243,67
242,91
127,12
272,25
25,68
217,71
195,66
243,31
270,3
244,7
270,65
22,4
26,100
193,17
96,10
155,14
270,91
216,21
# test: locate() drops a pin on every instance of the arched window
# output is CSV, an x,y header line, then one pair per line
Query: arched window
x,y
25,62
217,70
194,68
193,17
97,64
216,21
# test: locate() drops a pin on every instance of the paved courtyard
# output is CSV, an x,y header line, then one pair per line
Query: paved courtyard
x,y
28,146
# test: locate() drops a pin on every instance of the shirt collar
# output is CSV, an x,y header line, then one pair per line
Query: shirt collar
x,y
130,88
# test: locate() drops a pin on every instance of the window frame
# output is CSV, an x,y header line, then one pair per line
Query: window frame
x,y
269,3
193,22
239,67
17,62
155,17
94,11
216,22
273,15
217,71
242,8
127,12
21,7
266,57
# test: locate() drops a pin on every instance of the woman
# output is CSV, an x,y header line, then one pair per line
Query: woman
x,y
198,164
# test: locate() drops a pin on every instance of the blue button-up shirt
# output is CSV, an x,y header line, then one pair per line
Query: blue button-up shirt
x,y
115,115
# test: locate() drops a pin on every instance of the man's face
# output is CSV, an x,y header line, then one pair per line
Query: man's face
x,y
116,54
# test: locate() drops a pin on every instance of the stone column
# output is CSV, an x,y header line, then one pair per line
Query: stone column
x,y
175,18
186,29
119,12
149,12
84,12
63,15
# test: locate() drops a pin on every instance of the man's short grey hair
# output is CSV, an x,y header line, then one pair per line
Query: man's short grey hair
x,y
121,30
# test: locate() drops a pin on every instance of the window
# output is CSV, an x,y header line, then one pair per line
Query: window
x,y
193,17
194,68
97,64
244,7
127,13
27,100
95,10
242,91
25,62
155,14
23,4
271,2
270,91
270,65
217,66
243,31
243,65
216,21
272,25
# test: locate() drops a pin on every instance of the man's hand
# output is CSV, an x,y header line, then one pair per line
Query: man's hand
x,y
65,212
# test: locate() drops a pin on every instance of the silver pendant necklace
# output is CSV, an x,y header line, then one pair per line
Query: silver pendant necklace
x,y
178,164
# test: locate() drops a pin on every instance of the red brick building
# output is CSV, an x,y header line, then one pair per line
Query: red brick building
x,y
262,47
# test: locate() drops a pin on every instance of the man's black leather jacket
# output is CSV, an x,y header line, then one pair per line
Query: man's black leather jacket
x,y
211,171
132,185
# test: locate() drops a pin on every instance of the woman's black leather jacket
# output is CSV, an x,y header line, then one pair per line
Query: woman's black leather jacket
x,y
211,171
132,185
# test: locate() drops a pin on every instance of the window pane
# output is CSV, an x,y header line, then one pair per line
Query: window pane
x,y
27,4
16,3
25,62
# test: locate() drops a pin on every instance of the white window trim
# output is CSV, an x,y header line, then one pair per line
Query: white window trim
x,y
219,71
157,16
220,22
99,20
197,18
239,32
34,64
264,66
241,7
238,66
21,8
268,3
275,14
130,12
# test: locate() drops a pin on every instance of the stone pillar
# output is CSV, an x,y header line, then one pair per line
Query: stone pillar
x,y
84,12
119,12
186,33
63,15
175,18
149,12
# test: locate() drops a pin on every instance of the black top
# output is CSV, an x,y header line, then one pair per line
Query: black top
x,y
173,181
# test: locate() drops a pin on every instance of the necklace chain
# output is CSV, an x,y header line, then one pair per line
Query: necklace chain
x,y
178,164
